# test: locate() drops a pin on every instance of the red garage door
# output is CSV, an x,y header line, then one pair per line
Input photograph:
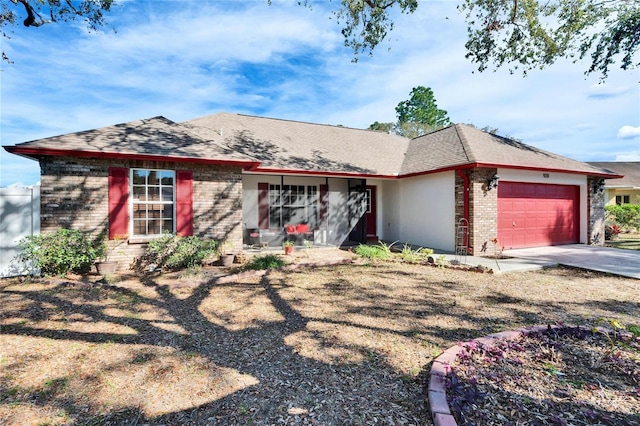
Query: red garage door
x,y
534,215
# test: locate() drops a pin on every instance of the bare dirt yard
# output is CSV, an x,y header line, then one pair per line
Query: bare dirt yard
x,y
336,345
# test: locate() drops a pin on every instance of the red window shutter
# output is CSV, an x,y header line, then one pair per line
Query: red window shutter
x,y
263,205
324,201
184,202
118,202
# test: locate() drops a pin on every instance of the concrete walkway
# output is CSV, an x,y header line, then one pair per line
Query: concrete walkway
x,y
604,259
501,266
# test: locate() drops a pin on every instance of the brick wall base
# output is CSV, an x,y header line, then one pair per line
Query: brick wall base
x,y
74,194
596,214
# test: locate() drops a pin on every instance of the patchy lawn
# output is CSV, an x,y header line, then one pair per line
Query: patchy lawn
x,y
629,241
336,345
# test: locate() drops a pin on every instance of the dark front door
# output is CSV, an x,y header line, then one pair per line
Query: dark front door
x,y
357,211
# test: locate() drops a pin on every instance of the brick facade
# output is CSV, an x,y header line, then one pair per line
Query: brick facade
x,y
460,190
595,204
74,194
483,210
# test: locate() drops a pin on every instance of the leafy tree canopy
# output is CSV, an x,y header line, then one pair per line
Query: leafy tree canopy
x,y
520,34
417,116
35,13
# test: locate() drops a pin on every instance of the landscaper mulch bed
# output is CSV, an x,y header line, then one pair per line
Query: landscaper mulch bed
x,y
562,376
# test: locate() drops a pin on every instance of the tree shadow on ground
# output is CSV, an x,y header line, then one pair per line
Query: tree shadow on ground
x,y
280,348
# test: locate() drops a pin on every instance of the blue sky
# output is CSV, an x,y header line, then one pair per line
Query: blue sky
x,y
186,59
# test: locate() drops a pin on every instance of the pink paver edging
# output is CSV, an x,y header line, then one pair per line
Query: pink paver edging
x,y
440,368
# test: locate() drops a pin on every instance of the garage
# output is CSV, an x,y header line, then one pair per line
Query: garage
x,y
534,214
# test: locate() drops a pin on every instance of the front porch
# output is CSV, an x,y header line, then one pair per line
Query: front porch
x,y
306,211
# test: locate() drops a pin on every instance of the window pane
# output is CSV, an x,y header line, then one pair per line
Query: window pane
x,y
297,215
154,226
152,179
166,177
139,227
167,193
139,193
139,177
139,212
168,225
155,210
153,193
274,217
312,195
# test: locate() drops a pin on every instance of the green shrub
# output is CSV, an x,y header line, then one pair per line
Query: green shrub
x,y
413,256
380,251
625,215
267,261
173,252
61,252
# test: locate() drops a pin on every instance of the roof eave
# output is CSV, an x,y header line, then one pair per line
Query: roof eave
x,y
34,153
466,166
298,172
594,173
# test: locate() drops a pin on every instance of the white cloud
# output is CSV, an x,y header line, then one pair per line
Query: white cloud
x,y
632,156
629,132
604,90
185,59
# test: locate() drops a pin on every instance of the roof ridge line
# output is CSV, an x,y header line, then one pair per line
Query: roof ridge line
x,y
339,126
463,142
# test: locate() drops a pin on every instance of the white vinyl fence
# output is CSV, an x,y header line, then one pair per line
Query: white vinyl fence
x,y
19,217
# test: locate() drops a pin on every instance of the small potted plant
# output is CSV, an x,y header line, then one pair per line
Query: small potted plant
x,y
227,255
107,266
288,247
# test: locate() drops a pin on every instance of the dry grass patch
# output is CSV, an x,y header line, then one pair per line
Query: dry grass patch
x,y
334,345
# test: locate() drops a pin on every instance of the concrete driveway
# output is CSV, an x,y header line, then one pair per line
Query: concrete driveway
x,y
604,259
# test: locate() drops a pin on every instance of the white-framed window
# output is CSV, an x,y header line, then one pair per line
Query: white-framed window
x,y
153,201
293,204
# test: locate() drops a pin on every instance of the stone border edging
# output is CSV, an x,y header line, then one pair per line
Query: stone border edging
x,y
259,273
440,368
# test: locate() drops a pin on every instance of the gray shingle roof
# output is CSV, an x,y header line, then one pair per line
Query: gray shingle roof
x,y
282,146
297,146
486,148
629,169
155,136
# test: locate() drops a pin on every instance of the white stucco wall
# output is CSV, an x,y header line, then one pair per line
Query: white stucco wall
x,y
510,175
421,211
380,206
389,215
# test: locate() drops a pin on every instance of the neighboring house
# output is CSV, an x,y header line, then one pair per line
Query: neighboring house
x,y
624,190
244,179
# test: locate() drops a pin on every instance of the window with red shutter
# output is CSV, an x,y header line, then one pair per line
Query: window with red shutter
x,y
118,202
159,201
184,207
152,201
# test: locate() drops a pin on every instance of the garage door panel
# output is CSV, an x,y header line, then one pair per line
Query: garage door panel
x,y
543,214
